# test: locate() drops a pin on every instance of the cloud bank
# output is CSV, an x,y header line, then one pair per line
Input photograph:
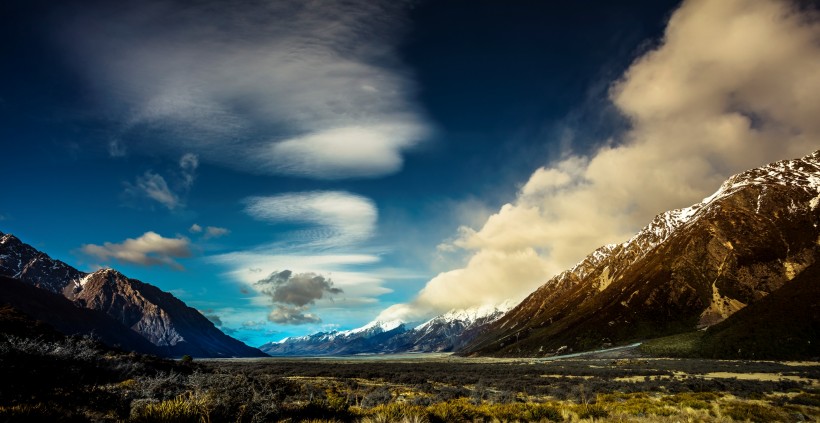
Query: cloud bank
x,y
288,87
150,249
732,86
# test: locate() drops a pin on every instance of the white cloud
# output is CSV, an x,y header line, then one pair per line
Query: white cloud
x,y
268,87
340,218
195,229
147,250
731,87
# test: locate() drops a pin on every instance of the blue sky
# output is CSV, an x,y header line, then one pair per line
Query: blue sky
x,y
397,158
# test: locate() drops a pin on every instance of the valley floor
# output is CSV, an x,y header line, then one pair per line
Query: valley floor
x,y
618,385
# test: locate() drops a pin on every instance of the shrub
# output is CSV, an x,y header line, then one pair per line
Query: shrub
x,y
378,396
742,411
594,411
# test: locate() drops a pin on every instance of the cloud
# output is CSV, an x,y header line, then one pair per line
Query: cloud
x,y
208,232
292,293
287,315
269,87
731,86
342,218
148,250
296,289
155,187
215,232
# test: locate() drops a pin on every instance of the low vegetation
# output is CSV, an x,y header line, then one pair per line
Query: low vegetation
x,y
77,379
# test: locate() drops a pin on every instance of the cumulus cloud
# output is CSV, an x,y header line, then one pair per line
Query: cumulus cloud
x,y
342,218
287,315
148,250
269,87
195,229
296,289
731,86
291,293
154,186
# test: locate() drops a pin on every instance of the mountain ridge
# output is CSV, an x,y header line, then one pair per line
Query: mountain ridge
x,y
164,321
689,268
444,333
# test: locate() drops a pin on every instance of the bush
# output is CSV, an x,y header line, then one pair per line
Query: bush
x,y
378,396
742,411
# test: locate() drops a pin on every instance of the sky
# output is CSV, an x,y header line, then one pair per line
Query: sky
x,y
288,167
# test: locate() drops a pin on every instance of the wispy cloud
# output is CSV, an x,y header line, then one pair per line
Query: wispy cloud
x,y
338,218
154,186
269,87
732,86
148,250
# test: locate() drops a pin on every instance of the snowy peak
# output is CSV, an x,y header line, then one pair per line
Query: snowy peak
x,y
469,316
375,327
446,332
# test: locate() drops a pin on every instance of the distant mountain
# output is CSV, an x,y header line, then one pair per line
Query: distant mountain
x,y
443,333
689,268
166,325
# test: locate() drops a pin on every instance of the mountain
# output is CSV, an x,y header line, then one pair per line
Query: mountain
x,y
443,333
56,312
689,269
109,304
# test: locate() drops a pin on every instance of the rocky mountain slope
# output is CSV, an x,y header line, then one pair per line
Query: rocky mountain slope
x,y
165,323
444,333
689,268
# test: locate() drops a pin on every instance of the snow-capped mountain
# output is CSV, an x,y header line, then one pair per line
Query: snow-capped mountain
x,y
159,318
443,333
689,268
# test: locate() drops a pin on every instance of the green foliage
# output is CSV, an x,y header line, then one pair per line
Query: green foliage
x,y
680,345
186,359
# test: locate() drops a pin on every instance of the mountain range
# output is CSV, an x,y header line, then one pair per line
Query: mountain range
x,y
445,333
743,259
119,310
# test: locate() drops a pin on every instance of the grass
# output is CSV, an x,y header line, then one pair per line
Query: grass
x,y
680,345
183,409
77,380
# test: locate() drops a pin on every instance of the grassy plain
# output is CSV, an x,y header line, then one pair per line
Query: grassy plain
x,y
78,380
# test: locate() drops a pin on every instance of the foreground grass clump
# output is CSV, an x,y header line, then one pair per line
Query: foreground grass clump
x,y
462,410
183,409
